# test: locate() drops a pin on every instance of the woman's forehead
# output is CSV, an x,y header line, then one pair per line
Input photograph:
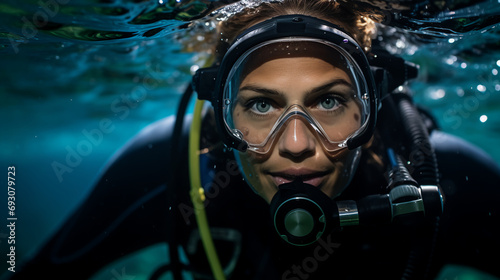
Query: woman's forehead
x,y
294,49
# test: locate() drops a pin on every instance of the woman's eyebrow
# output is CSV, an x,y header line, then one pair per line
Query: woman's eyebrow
x,y
327,86
274,92
262,90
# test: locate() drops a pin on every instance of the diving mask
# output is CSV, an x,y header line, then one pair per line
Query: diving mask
x,y
251,119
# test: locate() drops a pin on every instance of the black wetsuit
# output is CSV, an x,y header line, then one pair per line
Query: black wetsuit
x,y
129,209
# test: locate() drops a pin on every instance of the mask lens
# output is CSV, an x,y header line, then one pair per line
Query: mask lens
x,y
334,110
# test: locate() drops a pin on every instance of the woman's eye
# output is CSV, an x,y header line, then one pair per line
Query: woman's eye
x,y
261,107
328,103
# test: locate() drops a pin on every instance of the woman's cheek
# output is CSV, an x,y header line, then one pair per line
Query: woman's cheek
x,y
249,166
248,169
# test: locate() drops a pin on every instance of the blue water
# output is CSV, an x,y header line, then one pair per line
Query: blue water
x,y
80,78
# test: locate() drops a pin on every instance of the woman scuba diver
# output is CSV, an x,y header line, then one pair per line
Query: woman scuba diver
x,y
320,167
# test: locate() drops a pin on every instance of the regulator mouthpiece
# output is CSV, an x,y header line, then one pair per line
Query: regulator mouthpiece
x,y
301,213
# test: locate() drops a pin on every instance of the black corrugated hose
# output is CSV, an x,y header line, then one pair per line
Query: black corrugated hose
x,y
421,154
425,171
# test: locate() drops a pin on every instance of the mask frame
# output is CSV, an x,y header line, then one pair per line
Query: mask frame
x,y
210,82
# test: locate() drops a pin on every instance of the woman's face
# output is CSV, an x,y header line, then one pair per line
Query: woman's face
x,y
272,85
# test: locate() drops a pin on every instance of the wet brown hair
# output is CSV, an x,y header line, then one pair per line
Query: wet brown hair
x,y
355,22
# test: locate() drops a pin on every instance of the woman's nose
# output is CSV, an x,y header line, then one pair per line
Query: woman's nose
x,y
297,140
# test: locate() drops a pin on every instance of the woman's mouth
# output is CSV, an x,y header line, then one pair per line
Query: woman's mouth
x,y
307,176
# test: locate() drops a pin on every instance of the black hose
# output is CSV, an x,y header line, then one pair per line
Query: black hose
x,y
425,171
421,154
173,184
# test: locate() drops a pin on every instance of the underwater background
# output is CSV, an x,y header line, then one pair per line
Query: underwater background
x,y
79,78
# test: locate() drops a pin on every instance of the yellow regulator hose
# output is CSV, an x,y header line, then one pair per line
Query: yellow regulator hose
x,y
197,193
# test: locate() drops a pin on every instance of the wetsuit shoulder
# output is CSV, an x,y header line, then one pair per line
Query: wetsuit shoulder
x,y
144,159
466,170
129,196
470,181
